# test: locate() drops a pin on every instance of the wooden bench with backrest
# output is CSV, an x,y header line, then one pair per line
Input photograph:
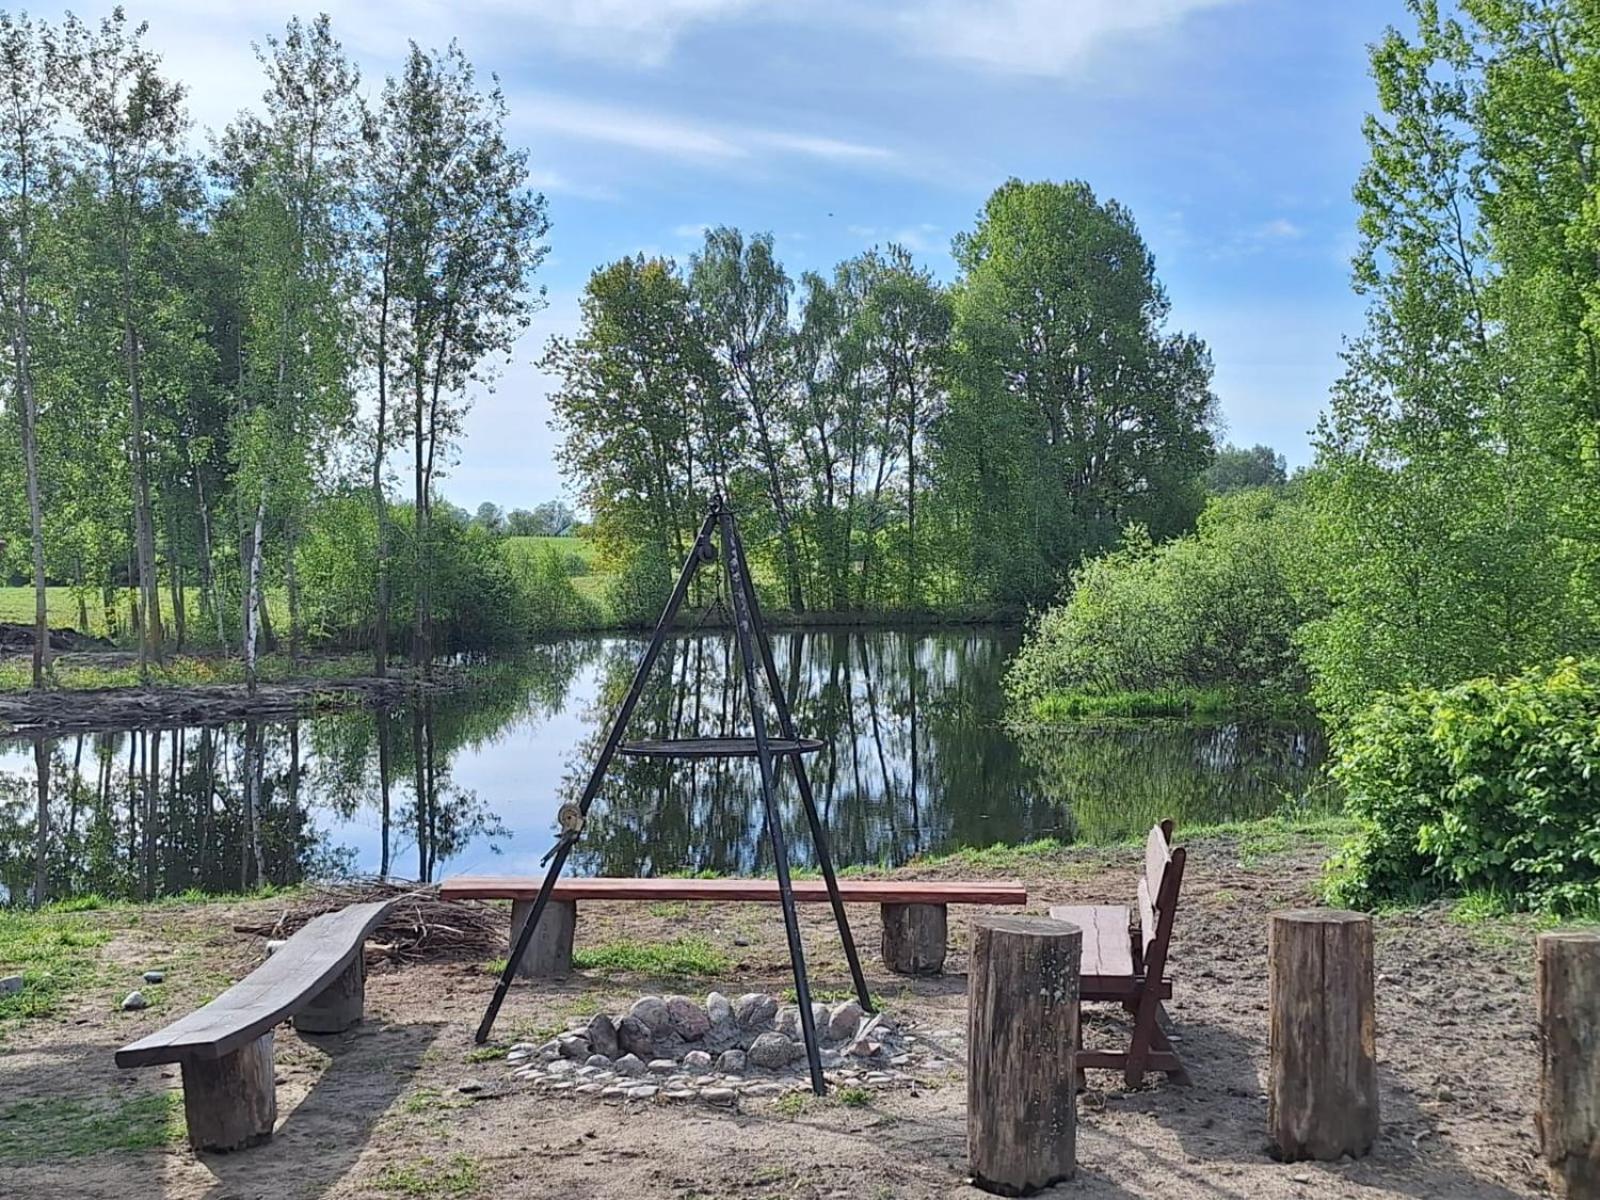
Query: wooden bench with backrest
x,y
915,913
318,977
1125,962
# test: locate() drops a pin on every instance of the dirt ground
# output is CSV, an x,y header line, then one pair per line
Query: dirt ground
x,y
378,1112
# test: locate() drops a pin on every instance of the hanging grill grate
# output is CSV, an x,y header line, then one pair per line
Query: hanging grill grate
x,y
716,747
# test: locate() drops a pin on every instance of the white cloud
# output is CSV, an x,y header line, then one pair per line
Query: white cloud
x,y
620,127
691,231
826,148
1033,37
1280,229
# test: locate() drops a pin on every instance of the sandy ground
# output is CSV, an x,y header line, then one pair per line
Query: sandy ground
x,y
377,1112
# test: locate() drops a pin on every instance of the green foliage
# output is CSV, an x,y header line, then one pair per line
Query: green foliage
x,y
1212,611
1239,468
1485,786
54,951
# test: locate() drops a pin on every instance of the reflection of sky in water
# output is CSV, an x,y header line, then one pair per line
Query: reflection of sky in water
x,y
916,761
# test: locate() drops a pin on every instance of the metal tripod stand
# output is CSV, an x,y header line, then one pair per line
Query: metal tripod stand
x,y
753,644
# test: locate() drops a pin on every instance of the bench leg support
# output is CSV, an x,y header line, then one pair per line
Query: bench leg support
x,y
338,1006
549,954
914,937
230,1102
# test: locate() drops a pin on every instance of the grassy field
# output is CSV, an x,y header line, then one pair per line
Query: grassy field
x,y
591,583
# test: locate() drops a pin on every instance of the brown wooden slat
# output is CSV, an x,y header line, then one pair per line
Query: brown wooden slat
x,y
1106,949
814,891
1147,916
1157,854
301,968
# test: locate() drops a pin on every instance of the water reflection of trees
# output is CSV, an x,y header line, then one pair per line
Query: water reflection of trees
x,y
154,812
915,757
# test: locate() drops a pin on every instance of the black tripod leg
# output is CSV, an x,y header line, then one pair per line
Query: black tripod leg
x,y
742,620
697,556
808,801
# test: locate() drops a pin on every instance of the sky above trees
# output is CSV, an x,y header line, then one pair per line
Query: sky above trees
x,y
1230,128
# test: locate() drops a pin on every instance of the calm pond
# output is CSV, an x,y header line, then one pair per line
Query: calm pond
x,y
917,761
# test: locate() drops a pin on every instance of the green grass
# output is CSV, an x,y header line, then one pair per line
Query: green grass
x,y
669,908
685,956
486,1053
853,1097
426,1176
67,1128
54,952
61,608
792,1104
1181,703
529,547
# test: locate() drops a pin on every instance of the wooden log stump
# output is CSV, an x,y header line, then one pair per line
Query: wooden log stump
x,y
914,937
339,1005
1022,1028
1322,1092
549,954
1568,986
230,1102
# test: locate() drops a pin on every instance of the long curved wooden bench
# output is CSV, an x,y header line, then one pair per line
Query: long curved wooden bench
x,y
914,911
318,977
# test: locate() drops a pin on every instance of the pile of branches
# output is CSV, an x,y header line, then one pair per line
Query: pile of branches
x,y
420,927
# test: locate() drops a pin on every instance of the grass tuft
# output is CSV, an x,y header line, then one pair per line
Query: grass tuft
x,y
684,956
426,1176
66,1128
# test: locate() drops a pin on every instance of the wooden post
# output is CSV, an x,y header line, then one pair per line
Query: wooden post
x,y
1568,985
1322,1087
914,937
549,954
230,1102
338,1006
1022,1028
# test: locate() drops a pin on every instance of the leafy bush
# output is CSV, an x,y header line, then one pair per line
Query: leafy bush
x,y
555,602
1487,786
1214,609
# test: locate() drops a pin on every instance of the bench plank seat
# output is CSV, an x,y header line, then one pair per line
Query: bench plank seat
x,y
815,891
301,969
914,910
1107,952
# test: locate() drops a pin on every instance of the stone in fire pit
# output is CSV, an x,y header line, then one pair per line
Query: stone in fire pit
x,y
717,1051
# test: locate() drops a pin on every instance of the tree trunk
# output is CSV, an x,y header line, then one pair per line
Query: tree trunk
x,y
292,578
379,502
1322,1083
252,595
914,937
1022,1027
175,568
339,1005
230,1102
1568,1117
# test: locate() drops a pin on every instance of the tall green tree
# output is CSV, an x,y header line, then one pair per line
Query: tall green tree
x,y
28,160
462,235
129,119
1073,410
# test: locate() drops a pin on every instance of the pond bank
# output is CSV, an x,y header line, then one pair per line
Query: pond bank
x,y
193,691
406,1105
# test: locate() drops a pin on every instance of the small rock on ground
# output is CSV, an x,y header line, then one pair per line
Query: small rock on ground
x,y
134,1001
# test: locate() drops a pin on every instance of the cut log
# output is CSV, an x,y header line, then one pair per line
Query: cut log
x,y
229,1102
549,954
1022,1027
339,1005
1568,984
1322,1093
914,937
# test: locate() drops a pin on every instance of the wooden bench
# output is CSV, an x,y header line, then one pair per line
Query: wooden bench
x,y
318,977
915,919
1125,962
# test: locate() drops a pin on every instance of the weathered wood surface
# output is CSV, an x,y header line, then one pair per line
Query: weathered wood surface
x,y
1568,986
549,953
813,891
1022,1026
914,938
1107,950
1322,1082
339,1005
302,968
230,1102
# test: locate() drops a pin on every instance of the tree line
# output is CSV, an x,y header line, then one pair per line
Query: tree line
x,y
207,348
1449,526
891,443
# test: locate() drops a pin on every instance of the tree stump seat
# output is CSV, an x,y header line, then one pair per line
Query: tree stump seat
x,y
225,1048
915,912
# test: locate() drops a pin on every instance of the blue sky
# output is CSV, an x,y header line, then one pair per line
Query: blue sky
x,y
1231,128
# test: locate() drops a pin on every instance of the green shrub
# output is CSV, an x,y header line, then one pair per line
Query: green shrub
x,y
554,600
1213,609
1488,786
